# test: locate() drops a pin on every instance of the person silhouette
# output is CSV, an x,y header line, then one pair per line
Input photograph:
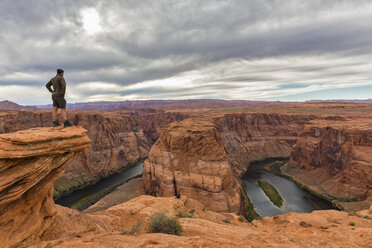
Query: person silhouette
x,y
57,86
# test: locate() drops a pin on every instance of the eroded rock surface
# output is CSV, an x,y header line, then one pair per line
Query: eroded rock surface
x,y
30,162
190,159
335,159
210,229
117,142
257,136
201,157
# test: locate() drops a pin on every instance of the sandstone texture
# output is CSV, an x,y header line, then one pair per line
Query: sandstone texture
x,y
152,123
117,142
335,160
201,157
190,159
329,228
30,162
257,136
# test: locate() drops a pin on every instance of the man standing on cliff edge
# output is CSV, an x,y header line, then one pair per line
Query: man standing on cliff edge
x,y
58,97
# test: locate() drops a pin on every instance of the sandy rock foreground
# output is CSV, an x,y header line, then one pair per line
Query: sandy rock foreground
x,y
329,228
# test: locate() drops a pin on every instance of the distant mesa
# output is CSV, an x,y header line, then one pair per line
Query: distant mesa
x,y
8,105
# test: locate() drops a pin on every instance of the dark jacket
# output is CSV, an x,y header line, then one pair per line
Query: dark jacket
x,y
59,86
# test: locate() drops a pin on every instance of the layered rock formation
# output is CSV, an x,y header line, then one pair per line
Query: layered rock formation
x,y
152,123
189,159
335,159
117,142
197,157
30,162
257,136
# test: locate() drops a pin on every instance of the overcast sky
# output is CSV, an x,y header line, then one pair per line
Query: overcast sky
x,y
166,49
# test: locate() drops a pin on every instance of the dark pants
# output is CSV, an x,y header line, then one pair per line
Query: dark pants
x,y
59,101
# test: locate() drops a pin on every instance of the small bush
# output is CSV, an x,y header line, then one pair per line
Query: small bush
x,y
133,229
226,221
367,217
161,223
351,223
241,219
351,214
183,214
192,211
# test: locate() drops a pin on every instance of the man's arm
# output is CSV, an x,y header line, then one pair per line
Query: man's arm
x,y
49,86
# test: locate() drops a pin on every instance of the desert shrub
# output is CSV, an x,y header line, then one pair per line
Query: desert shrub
x,y
241,219
366,217
352,223
192,211
161,223
134,228
183,214
226,221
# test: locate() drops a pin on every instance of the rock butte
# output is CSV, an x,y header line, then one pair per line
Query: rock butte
x,y
29,217
189,159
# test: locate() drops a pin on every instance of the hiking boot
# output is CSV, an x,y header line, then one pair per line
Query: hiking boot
x,y
56,124
67,124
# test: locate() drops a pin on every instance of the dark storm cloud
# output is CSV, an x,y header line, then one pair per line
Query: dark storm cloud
x,y
174,49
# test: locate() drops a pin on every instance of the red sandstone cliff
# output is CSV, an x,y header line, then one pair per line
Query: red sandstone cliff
x,y
196,157
31,160
335,159
257,136
117,142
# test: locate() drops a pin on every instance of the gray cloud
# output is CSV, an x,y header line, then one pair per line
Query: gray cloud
x,y
225,49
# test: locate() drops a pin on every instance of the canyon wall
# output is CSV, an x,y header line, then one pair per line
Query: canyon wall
x,y
201,157
30,162
117,142
335,159
152,123
189,159
257,136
